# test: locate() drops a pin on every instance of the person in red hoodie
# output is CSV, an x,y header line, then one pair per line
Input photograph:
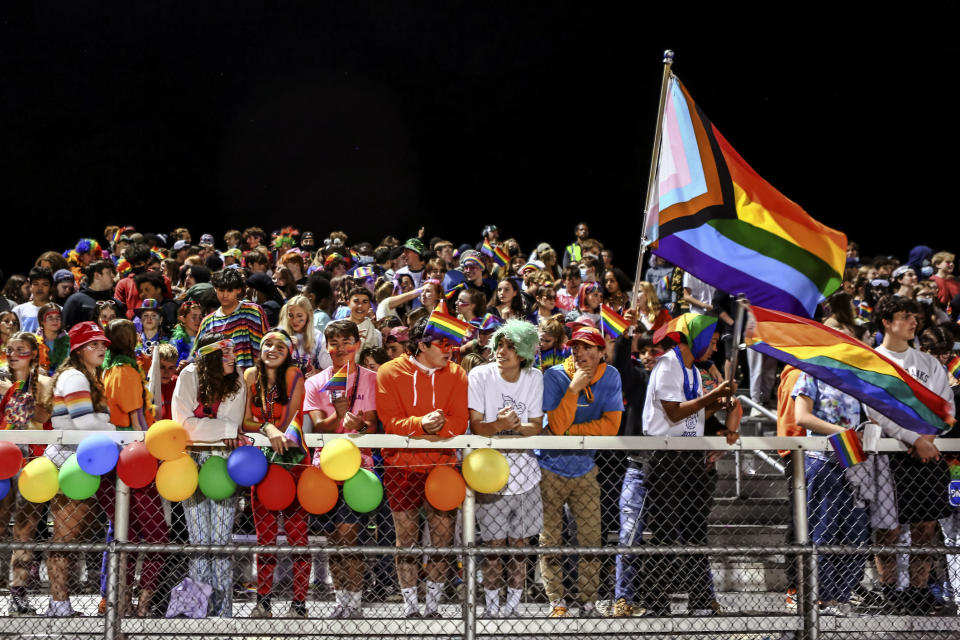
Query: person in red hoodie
x,y
424,395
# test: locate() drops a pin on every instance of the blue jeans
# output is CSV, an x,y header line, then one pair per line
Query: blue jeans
x,y
835,519
632,496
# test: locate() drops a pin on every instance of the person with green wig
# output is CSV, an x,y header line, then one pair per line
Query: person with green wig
x,y
505,397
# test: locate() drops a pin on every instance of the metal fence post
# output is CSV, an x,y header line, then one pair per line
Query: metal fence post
x,y
469,566
806,562
116,562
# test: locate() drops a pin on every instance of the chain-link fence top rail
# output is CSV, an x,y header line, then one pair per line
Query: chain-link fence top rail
x,y
653,541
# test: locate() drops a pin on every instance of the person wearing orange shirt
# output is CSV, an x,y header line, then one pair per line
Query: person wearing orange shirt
x,y
424,395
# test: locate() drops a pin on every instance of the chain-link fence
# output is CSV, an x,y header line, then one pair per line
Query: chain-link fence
x,y
656,537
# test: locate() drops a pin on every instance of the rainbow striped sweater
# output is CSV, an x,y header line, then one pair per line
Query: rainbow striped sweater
x,y
246,327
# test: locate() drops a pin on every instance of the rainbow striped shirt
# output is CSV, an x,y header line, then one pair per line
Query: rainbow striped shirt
x,y
246,327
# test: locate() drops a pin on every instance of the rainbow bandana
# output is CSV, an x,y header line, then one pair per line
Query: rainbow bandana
x,y
214,346
694,329
280,336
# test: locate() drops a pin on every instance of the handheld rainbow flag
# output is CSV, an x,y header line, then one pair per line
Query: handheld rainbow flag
x,y
487,248
847,446
364,272
850,366
611,322
443,325
712,215
337,382
500,256
450,294
490,322
954,367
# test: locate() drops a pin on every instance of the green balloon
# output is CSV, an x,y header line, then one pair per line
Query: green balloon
x,y
214,481
363,492
76,483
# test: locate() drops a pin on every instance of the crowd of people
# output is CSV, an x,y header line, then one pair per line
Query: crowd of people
x,y
248,334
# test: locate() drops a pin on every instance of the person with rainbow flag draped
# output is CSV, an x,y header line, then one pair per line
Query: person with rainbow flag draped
x,y
680,484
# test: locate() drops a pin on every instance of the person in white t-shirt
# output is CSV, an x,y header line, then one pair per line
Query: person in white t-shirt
x,y
680,483
506,398
698,294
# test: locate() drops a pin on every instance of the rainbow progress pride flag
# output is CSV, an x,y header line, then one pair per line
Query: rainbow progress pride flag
x,y
850,366
712,215
611,322
337,382
443,325
847,446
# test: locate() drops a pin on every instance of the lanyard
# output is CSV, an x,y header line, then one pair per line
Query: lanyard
x,y
690,391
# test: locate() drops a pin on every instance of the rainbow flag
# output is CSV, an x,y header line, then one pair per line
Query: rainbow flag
x,y
337,382
487,248
847,446
364,272
850,366
954,367
712,215
500,256
695,329
611,322
443,325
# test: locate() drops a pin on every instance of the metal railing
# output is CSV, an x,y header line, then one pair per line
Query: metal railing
x,y
805,622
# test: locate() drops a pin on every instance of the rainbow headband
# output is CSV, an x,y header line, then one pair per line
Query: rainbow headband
x,y
214,346
281,336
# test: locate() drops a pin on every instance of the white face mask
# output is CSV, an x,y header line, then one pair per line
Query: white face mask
x,y
583,274
925,300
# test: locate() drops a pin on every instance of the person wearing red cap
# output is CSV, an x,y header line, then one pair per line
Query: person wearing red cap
x,y
78,404
581,397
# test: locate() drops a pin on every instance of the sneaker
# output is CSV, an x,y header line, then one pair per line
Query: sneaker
x,y
509,613
415,613
488,615
791,600
703,612
432,615
260,611
921,602
559,611
20,607
296,612
340,613
589,610
622,609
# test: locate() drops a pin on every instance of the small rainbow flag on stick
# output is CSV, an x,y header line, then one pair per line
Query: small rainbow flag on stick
x,y
500,256
337,382
611,322
487,248
443,325
846,445
954,367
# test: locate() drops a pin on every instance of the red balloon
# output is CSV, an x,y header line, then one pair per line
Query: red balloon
x,y
317,493
136,467
11,459
277,490
444,488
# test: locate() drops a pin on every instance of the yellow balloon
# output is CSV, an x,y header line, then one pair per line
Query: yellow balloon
x,y
166,440
340,459
486,470
39,480
177,479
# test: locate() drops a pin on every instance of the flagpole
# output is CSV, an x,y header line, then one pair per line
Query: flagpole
x,y
654,163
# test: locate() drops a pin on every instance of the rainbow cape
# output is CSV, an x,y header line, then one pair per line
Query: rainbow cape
x,y
954,367
337,382
443,325
611,322
695,329
850,366
847,446
712,215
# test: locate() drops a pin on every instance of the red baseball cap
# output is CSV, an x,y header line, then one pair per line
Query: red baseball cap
x,y
84,332
588,335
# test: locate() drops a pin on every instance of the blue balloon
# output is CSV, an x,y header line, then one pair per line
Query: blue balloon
x,y
98,454
247,466
4,488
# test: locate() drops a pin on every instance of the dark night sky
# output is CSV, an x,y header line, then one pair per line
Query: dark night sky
x,y
377,118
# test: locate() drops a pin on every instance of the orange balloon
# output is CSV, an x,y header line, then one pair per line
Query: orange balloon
x,y
445,488
316,492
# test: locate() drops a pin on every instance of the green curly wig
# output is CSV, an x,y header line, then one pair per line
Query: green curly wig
x,y
522,335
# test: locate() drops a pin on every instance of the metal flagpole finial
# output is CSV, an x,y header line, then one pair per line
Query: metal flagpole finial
x,y
668,56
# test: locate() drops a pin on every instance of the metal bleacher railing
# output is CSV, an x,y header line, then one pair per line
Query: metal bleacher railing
x,y
749,547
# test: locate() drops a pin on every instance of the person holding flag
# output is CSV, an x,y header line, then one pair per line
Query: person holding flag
x,y
342,399
422,395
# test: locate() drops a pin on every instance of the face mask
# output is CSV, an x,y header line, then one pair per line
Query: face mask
x,y
924,300
879,282
583,274
926,271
